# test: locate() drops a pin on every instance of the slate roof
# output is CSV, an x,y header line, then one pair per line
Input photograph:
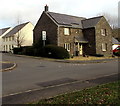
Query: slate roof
x,y
15,30
81,39
66,20
91,22
115,41
3,30
74,21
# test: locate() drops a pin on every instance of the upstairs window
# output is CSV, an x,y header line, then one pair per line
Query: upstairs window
x,y
66,31
103,32
104,47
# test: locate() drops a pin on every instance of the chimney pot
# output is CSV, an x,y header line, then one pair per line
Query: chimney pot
x,y
46,8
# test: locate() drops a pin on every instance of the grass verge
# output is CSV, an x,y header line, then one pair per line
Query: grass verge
x,y
102,94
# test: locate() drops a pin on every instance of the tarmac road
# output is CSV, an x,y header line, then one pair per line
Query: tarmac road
x,y
33,73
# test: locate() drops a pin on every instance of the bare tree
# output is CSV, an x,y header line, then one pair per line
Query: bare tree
x,y
20,37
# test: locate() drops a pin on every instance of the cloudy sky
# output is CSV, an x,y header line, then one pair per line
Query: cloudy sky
x,y
30,10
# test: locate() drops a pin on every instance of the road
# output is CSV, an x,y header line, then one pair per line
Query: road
x,y
32,73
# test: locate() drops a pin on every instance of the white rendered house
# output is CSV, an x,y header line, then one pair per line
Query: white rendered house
x,y
3,32
20,35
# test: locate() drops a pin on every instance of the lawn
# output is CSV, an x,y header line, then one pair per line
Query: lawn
x,y
102,94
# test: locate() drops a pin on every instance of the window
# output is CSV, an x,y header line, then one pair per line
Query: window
x,y
104,47
67,46
12,38
9,47
9,38
6,47
103,32
66,31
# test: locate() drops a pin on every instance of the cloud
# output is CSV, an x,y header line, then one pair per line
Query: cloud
x,y
30,10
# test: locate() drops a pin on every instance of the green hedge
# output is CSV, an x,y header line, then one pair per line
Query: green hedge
x,y
52,51
17,50
28,51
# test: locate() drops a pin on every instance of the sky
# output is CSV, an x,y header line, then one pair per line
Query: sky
x,y
30,10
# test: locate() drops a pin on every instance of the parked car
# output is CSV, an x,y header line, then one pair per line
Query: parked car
x,y
116,51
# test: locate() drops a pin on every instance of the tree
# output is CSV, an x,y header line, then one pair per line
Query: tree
x,y
20,37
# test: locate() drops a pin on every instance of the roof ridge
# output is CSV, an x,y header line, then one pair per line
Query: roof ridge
x,y
93,18
5,28
66,15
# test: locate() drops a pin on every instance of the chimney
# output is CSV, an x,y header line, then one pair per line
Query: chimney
x,y
46,8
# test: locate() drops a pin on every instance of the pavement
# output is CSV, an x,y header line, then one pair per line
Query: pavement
x,y
71,61
51,89
6,66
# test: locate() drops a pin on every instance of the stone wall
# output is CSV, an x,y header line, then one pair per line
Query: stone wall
x,y
62,39
107,39
45,24
90,48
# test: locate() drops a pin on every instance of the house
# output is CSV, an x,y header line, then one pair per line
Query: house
x,y
20,35
78,35
115,43
2,33
116,33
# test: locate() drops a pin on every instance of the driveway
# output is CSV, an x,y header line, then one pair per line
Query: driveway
x,y
34,73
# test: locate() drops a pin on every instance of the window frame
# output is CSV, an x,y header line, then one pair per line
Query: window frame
x,y
66,31
104,47
103,32
67,46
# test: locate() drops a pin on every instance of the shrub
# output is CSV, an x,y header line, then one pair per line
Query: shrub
x,y
28,50
17,50
53,51
117,53
98,55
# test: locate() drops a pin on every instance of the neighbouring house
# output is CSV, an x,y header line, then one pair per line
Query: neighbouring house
x,y
78,35
116,33
20,35
2,33
115,43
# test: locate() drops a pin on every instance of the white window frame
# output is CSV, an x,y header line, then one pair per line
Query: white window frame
x,y
103,32
66,31
67,46
104,47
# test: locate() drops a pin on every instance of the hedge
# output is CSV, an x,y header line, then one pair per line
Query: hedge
x,y
52,51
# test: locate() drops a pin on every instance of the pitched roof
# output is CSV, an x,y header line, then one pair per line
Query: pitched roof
x,y
115,41
66,20
15,30
91,22
3,30
81,39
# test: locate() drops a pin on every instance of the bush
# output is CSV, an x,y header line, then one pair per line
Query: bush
x,y
116,53
53,51
17,50
98,55
28,51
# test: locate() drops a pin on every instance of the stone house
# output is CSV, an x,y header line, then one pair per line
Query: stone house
x,y
22,33
78,35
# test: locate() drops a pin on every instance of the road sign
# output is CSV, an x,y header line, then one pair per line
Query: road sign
x,y
43,35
